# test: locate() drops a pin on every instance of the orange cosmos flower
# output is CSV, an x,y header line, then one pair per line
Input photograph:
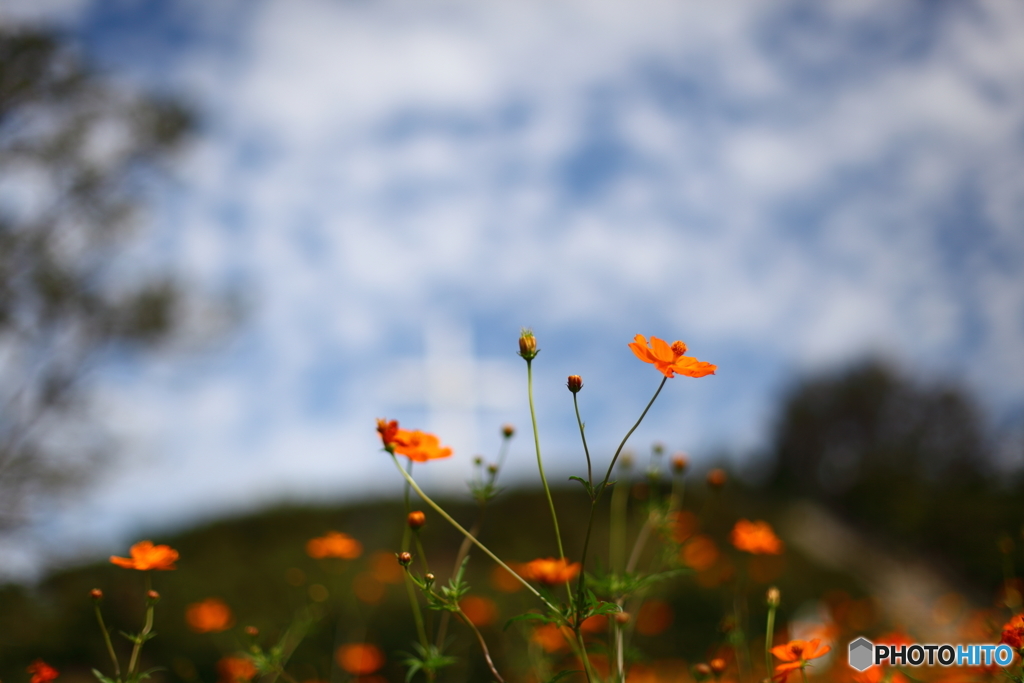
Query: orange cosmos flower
x,y
145,556
209,616
670,360
795,654
419,446
236,670
388,431
1013,632
413,444
756,538
42,672
360,659
334,544
550,571
479,610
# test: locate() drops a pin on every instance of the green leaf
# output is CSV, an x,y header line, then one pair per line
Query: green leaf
x,y
586,485
529,616
563,674
100,677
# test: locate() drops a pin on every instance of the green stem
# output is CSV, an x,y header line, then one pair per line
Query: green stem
x,y
769,636
106,639
611,466
586,451
540,462
617,527
600,489
417,615
439,510
583,655
483,645
141,638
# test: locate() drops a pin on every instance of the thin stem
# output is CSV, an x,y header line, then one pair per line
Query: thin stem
x,y
141,638
601,487
586,451
769,636
442,629
583,655
620,656
483,646
617,527
638,547
611,466
106,639
417,615
439,510
540,462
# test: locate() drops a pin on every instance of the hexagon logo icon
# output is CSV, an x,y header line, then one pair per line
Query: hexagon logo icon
x,y
861,654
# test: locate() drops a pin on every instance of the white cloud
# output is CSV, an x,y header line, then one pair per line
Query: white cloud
x,y
654,167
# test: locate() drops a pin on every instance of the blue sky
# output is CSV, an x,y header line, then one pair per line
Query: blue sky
x,y
398,187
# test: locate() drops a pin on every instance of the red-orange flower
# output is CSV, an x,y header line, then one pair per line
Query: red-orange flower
x,y
209,616
145,555
42,672
236,670
360,659
1013,632
795,654
479,610
387,430
755,537
550,571
334,544
419,446
670,360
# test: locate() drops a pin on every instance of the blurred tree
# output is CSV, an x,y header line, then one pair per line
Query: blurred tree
x,y
907,462
76,155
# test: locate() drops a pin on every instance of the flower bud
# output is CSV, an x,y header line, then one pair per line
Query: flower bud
x,y
252,631
508,431
492,469
528,345
404,559
774,597
658,448
679,463
717,666
429,579
96,594
622,618
478,460
152,596
716,478
626,461
416,520
701,672
575,383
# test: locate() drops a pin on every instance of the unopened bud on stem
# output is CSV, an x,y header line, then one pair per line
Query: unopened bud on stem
x,y
575,383
96,594
680,463
774,597
152,596
508,431
404,559
717,478
416,520
528,345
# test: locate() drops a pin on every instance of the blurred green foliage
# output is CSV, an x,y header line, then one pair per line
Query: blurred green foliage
x,y
78,155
